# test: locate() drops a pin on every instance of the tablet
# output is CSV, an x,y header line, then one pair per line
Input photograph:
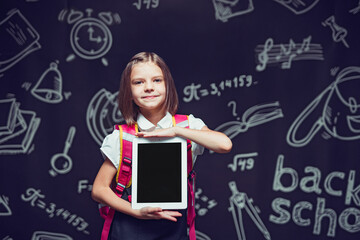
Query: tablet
x,y
159,173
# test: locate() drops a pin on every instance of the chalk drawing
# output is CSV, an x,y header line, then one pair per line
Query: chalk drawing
x,y
49,87
245,161
356,9
147,3
254,116
201,236
61,163
7,238
285,54
315,183
226,9
234,113
238,202
17,127
4,206
195,91
90,37
298,6
339,113
84,185
210,203
18,39
35,198
102,114
338,33
41,235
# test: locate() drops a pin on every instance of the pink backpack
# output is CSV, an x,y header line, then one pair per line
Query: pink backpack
x,y
123,176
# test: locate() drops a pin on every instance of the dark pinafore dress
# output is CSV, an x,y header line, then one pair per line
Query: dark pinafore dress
x,y
125,227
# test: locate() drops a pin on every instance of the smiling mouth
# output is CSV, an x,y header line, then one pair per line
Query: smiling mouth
x,y
150,97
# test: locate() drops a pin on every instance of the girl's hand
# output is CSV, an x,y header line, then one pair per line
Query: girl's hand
x,y
212,140
158,213
165,132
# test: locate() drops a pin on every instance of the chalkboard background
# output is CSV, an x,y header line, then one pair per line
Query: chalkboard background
x,y
281,78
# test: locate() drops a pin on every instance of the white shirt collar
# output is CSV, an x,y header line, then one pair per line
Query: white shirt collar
x,y
146,126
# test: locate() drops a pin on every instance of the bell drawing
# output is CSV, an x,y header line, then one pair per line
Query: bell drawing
x,y
49,87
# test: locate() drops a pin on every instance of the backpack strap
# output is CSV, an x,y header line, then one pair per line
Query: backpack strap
x,y
183,121
123,176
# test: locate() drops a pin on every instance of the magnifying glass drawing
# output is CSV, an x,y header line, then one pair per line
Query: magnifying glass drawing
x,y
61,163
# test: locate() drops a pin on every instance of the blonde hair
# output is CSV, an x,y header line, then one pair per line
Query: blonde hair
x,y
126,105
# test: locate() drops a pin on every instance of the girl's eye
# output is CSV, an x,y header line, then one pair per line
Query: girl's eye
x,y
157,80
137,82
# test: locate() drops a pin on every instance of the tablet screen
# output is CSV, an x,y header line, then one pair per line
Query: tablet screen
x,y
159,172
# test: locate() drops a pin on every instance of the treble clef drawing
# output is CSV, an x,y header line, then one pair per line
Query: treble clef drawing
x,y
263,57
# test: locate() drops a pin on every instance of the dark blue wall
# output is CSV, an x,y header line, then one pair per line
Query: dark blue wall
x,y
281,78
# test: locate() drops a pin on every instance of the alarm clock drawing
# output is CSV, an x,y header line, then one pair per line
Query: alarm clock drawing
x,y
90,37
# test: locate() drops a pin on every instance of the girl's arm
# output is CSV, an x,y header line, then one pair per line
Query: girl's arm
x,y
101,192
212,140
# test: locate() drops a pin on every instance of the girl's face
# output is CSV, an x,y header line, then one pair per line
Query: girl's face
x,y
148,87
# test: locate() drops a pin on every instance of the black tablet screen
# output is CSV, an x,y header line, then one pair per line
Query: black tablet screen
x,y
159,172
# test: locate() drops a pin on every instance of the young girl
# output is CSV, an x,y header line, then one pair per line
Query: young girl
x,y
148,97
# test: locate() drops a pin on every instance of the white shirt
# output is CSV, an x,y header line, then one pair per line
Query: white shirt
x,y
111,145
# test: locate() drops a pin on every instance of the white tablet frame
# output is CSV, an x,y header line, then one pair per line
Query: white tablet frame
x,y
164,205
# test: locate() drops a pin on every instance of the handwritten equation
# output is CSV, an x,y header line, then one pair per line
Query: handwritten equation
x,y
201,211
196,91
243,161
35,198
285,54
146,3
84,185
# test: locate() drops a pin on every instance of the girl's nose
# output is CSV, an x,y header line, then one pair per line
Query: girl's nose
x,y
149,86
